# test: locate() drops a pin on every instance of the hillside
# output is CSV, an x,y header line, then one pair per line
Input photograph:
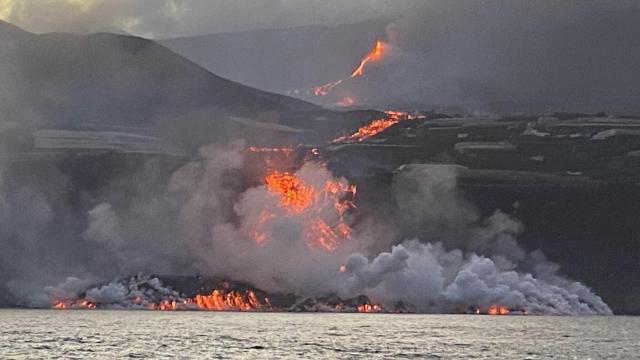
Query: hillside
x,y
70,81
283,60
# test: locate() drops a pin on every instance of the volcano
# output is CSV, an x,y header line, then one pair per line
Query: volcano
x,y
70,80
137,160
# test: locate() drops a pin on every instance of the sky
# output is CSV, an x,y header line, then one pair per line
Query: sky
x,y
174,18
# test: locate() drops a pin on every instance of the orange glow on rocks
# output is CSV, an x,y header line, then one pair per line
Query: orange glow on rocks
x,y
497,310
369,308
76,304
320,208
376,126
295,195
221,300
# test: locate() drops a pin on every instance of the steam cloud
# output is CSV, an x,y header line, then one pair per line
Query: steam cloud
x,y
201,223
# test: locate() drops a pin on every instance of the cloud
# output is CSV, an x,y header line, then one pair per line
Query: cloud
x,y
171,18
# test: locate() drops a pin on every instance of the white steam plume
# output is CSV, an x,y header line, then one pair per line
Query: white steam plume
x,y
203,223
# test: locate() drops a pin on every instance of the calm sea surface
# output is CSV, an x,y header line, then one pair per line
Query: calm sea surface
x,y
207,335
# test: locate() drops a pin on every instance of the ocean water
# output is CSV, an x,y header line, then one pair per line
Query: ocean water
x,y
86,334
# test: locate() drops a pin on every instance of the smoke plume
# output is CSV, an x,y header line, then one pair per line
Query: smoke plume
x,y
203,221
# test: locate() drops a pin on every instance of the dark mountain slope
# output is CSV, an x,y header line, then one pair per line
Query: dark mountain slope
x,y
64,80
283,59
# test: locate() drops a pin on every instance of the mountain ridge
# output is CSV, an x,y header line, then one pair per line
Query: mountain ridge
x,y
63,80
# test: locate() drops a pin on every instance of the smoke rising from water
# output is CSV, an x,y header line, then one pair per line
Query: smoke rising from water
x,y
461,262
201,223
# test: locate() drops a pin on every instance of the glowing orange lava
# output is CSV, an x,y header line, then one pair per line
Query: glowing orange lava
x,y
302,199
377,126
77,304
59,305
295,195
373,128
497,310
369,308
218,300
222,300
375,54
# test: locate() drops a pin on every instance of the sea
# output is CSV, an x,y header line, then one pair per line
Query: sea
x,y
116,334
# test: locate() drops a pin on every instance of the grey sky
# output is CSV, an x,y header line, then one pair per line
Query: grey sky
x,y
172,18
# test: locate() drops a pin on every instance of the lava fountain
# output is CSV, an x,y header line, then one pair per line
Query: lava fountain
x,y
302,199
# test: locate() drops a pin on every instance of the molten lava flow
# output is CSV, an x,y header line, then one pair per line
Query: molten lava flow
x,y
59,305
324,90
369,308
377,126
346,101
295,195
497,310
167,305
76,304
223,300
375,54
309,204
373,128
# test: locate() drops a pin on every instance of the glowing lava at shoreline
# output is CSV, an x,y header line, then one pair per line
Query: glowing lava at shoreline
x,y
221,299
369,308
230,300
77,304
497,310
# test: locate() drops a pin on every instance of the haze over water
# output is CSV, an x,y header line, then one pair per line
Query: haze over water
x,y
222,335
